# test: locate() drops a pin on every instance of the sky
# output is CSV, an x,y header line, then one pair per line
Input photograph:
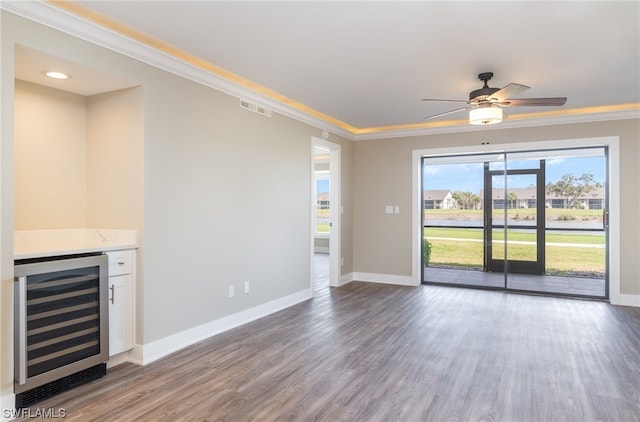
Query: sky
x,y
468,177
323,185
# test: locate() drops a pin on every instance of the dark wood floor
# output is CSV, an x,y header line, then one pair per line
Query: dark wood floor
x,y
374,352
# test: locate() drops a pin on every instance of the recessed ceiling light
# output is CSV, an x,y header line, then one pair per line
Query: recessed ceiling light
x,y
57,75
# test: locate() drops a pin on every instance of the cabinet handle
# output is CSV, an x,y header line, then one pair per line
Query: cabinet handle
x,y
113,294
120,262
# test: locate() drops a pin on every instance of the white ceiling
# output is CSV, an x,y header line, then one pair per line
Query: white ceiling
x,y
31,65
368,64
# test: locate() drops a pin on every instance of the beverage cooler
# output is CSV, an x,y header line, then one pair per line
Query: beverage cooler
x,y
61,324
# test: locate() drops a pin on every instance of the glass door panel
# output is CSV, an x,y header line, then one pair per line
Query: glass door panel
x,y
495,216
497,246
522,200
525,254
576,229
516,244
454,221
572,235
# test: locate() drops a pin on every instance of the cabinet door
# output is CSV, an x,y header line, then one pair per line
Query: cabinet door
x,y
120,313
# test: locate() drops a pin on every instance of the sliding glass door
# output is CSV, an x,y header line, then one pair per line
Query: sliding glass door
x,y
530,221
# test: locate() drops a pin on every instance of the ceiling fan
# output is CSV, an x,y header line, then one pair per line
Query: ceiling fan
x,y
485,104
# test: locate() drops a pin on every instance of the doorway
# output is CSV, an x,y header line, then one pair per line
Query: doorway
x,y
325,215
502,205
534,221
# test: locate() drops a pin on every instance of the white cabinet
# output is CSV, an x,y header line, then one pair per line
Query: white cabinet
x,y
121,294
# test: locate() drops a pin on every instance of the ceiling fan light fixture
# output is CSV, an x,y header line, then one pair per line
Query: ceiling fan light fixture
x,y
485,115
485,104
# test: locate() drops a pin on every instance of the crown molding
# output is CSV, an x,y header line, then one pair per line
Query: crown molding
x,y
522,122
79,27
57,18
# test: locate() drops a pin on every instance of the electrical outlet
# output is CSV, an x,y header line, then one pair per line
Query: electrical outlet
x,y
232,291
246,287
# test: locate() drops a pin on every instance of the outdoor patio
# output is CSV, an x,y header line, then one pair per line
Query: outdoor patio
x,y
570,286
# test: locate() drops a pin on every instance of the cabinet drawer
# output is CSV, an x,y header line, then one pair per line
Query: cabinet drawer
x,y
120,262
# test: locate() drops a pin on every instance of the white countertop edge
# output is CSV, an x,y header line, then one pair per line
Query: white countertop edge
x,y
44,253
56,242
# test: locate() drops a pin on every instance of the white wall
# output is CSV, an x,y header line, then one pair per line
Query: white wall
x,y
115,159
78,160
6,217
50,158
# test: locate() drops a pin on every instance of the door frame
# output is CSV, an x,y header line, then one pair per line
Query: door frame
x,y
498,265
336,207
613,174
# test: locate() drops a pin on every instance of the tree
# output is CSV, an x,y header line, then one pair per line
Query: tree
x,y
572,188
466,200
512,197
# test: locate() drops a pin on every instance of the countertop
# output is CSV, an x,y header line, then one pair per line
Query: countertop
x,y
42,243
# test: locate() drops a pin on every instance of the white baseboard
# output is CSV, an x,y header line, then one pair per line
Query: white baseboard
x,y
118,359
165,346
135,354
399,280
346,278
622,299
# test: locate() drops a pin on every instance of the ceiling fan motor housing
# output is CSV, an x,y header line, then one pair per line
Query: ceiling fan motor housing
x,y
484,92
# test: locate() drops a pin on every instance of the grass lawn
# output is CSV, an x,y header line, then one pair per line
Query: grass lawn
x,y
559,259
595,239
456,254
323,226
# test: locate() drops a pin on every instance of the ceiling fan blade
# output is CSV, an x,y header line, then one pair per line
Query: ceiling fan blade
x,y
449,101
507,92
552,101
448,112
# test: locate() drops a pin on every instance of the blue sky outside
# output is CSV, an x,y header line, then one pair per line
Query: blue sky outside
x,y
468,177
323,185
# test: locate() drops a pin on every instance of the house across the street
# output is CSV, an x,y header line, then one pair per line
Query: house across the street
x,y
526,198
438,199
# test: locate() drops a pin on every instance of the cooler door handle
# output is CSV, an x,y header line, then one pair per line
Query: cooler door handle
x,y
21,331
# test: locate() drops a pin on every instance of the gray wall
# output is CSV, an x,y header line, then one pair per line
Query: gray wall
x,y
382,176
219,184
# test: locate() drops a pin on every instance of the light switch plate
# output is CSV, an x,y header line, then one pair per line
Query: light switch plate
x,y
388,209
